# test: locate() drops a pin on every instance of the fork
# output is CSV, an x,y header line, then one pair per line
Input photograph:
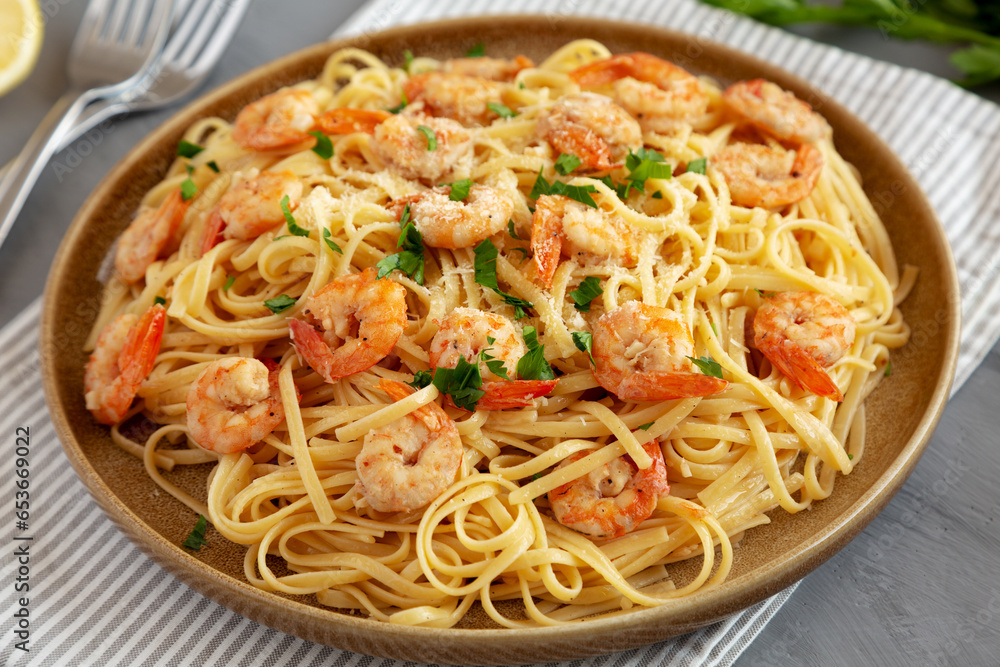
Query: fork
x,y
116,45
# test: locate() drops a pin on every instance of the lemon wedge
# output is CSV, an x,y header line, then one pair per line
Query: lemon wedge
x,y
21,29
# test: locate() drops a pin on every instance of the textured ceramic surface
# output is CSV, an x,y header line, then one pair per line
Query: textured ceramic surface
x,y
902,412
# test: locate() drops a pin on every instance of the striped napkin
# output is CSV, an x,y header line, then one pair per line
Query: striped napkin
x,y
94,598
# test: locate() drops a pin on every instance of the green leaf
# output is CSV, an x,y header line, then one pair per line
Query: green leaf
x,y
485,266
495,365
580,193
511,230
432,141
500,110
159,301
293,228
421,379
645,164
462,383
646,426
657,195
280,304
523,251
566,163
708,366
323,147
697,166
460,190
979,63
588,290
584,341
402,104
188,189
187,149
196,539
888,370
330,243
411,259
477,51
229,283
533,366
214,166
407,59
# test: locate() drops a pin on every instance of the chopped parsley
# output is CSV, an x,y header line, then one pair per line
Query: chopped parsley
x,y
501,110
330,243
421,379
196,539
462,383
764,295
187,149
432,140
657,195
708,366
460,189
410,260
621,189
280,304
402,104
643,165
588,290
188,188
523,251
888,370
407,59
533,366
485,266
697,166
477,51
293,228
213,165
646,426
580,193
495,365
229,283
511,230
567,162
159,301
323,147
584,341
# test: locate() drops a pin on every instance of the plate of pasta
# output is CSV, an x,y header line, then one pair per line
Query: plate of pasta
x,y
496,341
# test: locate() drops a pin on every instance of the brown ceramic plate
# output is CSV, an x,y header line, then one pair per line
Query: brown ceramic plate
x,y
902,412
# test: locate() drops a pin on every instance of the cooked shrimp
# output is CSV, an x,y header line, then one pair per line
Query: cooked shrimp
x,y
444,223
467,332
641,354
278,121
124,355
612,500
413,154
462,98
768,177
348,121
408,463
657,92
561,226
234,403
251,206
147,236
591,127
779,112
802,333
494,69
359,320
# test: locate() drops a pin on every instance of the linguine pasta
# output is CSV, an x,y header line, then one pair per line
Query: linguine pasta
x,y
759,443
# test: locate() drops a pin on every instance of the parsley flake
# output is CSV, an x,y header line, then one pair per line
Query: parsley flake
x,y
330,242
533,366
196,539
708,366
462,383
188,189
888,370
697,166
229,283
421,379
159,301
432,141
407,59
460,190
477,51
403,102
214,166
279,304
567,162
410,260
187,149
584,341
323,147
643,165
485,265
588,290
293,228
646,426
511,230
501,110
580,193
495,365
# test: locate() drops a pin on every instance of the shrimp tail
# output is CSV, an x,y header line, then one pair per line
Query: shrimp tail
x,y
667,385
584,143
513,394
797,364
312,348
348,121
432,415
138,355
546,238
603,72
213,229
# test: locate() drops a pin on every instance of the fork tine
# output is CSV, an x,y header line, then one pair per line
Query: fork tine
x,y
160,13
138,20
94,19
230,14
193,16
119,14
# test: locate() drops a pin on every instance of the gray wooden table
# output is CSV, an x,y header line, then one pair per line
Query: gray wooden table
x,y
921,586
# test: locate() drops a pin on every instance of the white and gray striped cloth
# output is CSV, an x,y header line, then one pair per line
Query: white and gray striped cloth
x,y
95,599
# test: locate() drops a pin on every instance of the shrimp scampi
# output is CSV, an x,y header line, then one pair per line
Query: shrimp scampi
x,y
768,177
593,128
251,206
444,223
149,236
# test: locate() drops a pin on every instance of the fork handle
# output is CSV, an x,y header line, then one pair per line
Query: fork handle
x,y
25,169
